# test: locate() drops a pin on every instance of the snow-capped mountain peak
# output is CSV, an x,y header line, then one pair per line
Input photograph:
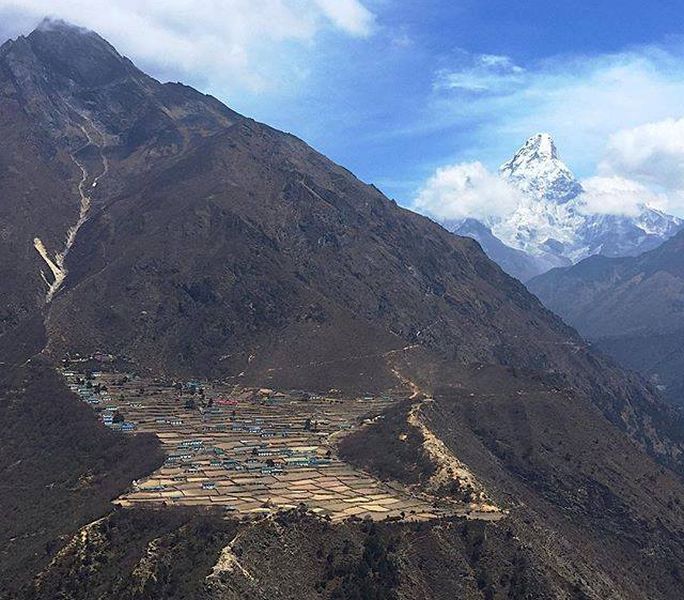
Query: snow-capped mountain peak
x,y
538,147
537,170
551,225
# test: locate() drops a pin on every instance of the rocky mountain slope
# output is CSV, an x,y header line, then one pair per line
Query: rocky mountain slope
x,y
536,448
59,468
552,225
218,244
633,308
197,555
160,226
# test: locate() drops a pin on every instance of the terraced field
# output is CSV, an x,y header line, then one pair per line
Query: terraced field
x,y
251,451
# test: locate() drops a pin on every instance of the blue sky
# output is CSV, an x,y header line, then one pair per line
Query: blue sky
x,y
395,89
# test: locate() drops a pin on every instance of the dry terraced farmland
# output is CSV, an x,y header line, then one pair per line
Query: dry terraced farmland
x,y
250,451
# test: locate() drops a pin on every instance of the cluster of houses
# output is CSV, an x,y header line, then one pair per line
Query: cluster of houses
x,y
248,457
98,397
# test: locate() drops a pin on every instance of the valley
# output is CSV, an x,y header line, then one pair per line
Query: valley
x,y
630,308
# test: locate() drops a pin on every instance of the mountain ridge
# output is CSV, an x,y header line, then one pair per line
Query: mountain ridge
x,y
630,307
217,244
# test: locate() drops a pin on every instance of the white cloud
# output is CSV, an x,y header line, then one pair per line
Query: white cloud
x,y
466,190
481,74
239,43
349,15
588,99
596,107
618,196
652,153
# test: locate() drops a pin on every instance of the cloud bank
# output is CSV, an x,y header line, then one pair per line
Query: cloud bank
x,y
643,163
652,153
466,190
471,190
618,196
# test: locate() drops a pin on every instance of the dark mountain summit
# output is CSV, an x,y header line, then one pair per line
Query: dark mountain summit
x,y
633,308
159,226
56,151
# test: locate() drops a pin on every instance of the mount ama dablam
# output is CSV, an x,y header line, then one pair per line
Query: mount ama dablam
x,y
551,226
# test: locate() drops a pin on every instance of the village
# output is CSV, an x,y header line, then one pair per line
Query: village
x,y
248,451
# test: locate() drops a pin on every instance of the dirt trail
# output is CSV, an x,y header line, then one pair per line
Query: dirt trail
x,y
57,266
449,468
